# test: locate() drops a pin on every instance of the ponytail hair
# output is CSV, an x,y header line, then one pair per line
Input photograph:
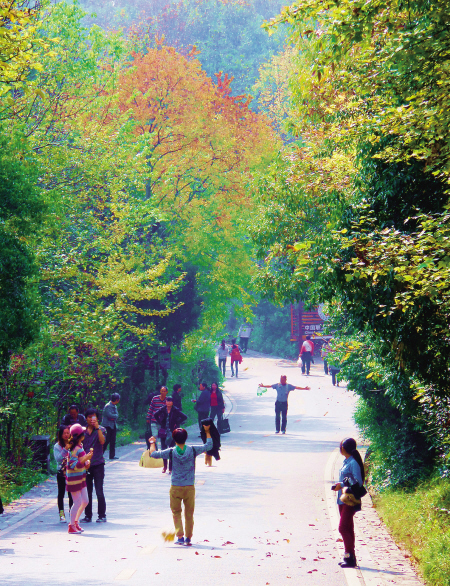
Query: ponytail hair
x,y
349,445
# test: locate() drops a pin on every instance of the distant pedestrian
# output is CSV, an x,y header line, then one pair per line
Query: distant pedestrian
x,y
245,331
236,358
222,355
334,371
74,416
95,438
177,396
77,464
169,418
156,403
216,405
109,420
58,449
202,404
306,355
183,480
215,436
352,469
324,351
281,404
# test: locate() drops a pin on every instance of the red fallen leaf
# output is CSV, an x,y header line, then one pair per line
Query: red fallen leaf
x,y
216,556
281,513
221,520
196,553
228,543
311,525
303,559
277,531
73,551
156,573
206,540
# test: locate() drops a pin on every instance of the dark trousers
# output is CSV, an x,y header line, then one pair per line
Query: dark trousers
x,y
325,366
234,364
167,443
306,362
243,343
346,527
217,412
222,365
95,477
334,377
202,415
110,441
61,480
280,410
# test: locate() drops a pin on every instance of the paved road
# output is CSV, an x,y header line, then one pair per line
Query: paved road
x,y
261,512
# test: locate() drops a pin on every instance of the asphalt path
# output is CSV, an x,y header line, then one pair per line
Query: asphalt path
x,y
261,517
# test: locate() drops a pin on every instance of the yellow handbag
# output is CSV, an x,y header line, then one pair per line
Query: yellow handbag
x,y
147,461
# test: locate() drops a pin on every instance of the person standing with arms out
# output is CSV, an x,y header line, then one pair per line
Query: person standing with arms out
x,y
236,358
281,404
95,438
353,469
183,479
306,354
109,420
222,354
58,449
202,404
169,419
245,331
74,416
156,403
217,405
77,464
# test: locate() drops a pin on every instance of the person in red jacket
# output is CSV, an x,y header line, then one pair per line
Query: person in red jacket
x,y
306,354
236,357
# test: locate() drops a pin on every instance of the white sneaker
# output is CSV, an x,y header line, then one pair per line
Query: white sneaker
x,y
62,517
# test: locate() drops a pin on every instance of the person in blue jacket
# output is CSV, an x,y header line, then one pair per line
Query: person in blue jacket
x,y
203,403
352,469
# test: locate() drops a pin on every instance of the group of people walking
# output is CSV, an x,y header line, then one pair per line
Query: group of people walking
x,y
79,455
234,351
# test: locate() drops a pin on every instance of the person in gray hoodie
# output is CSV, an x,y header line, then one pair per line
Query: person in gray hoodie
x,y
183,479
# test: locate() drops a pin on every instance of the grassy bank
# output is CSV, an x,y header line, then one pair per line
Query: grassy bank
x,y
419,519
14,482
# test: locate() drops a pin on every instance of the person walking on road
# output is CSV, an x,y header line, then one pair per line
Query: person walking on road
x,y
158,402
222,354
77,464
245,331
215,436
236,358
217,405
306,355
183,480
169,418
58,448
353,469
176,396
109,420
324,351
95,438
202,404
281,404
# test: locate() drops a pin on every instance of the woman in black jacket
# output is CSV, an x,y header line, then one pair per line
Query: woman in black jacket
x,y
202,404
169,418
217,405
215,436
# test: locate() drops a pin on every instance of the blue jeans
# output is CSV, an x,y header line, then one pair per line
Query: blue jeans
x,y
222,365
235,363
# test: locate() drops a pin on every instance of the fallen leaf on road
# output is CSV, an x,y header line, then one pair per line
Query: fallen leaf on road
x,y
73,551
196,553
268,554
216,556
326,413
288,540
228,543
221,520
281,513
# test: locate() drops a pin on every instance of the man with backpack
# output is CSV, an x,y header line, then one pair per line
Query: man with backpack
x,y
183,479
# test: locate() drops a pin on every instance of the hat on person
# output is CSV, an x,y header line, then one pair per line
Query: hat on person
x,y
77,429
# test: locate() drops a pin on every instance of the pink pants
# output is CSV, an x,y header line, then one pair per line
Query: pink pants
x,y
80,502
346,527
